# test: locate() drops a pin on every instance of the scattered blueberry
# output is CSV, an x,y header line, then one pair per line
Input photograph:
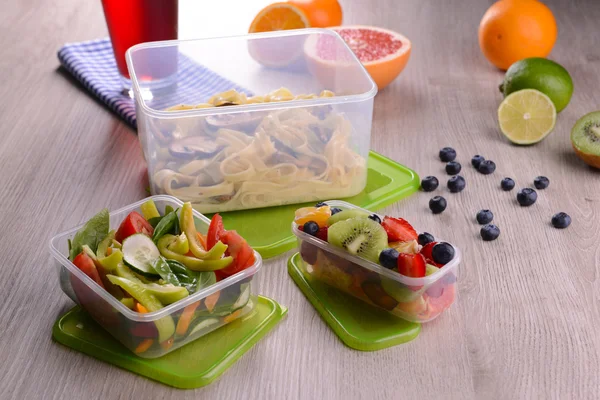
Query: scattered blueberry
x,y
456,184
487,167
453,168
526,197
490,232
389,258
476,160
335,210
507,184
429,183
561,220
485,217
437,204
442,253
541,182
320,204
425,238
375,218
311,227
447,154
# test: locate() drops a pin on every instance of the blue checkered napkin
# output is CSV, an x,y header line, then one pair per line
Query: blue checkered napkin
x,y
93,64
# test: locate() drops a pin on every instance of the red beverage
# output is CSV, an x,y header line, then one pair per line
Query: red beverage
x,y
131,22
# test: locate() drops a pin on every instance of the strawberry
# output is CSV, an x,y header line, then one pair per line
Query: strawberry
x,y
412,265
398,230
426,252
322,234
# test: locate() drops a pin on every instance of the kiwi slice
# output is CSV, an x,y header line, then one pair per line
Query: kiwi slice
x,y
398,291
361,237
585,138
346,214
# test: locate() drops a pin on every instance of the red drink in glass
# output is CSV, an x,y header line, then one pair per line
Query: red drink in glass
x,y
131,22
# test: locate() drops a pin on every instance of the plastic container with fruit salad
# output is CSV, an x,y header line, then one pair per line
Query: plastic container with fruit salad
x,y
377,259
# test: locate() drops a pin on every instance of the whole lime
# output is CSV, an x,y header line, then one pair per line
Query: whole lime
x,y
541,74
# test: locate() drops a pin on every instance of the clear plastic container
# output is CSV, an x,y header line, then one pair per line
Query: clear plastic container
x,y
135,330
413,299
280,151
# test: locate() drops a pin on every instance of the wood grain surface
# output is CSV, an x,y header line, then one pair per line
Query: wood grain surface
x,y
527,318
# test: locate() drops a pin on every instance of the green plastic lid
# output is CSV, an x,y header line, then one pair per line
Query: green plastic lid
x,y
268,231
193,365
358,324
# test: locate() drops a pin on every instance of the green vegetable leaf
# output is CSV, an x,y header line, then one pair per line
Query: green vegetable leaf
x,y
168,224
154,221
168,209
91,234
161,266
205,279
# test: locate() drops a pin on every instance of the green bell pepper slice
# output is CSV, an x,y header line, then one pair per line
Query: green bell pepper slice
x,y
181,245
188,226
149,210
193,263
105,244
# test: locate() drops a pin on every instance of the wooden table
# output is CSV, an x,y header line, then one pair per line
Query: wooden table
x,y
527,318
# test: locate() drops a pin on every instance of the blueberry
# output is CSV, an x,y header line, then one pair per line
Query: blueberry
x,y
311,227
320,204
490,232
456,184
507,184
442,253
335,210
425,238
375,218
484,217
437,204
487,167
447,154
453,168
449,278
389,258
526,197
429,183
476,160
541,182
561,220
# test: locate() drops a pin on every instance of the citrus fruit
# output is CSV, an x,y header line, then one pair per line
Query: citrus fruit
x,y
320,13
585,138
383,53
526,116
512,30
541,74
279,17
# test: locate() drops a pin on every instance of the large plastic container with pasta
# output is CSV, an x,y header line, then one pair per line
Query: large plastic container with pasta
x,y
255,120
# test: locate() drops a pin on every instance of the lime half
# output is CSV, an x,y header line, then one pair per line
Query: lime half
x,y
526,116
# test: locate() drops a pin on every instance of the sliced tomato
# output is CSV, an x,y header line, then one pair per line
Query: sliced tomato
x,y
86,265
399,230
132,224
240,250
215,231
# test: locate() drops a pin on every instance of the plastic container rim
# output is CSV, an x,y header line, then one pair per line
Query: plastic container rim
x,y
405,280
171,308
369,94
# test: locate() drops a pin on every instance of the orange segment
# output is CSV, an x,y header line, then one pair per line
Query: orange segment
x,y
320,215
279,17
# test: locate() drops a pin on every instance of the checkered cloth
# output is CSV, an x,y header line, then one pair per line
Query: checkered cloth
x,y
93,64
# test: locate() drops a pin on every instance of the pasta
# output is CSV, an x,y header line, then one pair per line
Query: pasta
x,y
291,155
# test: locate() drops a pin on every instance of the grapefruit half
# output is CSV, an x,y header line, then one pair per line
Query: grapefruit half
x,y
383,53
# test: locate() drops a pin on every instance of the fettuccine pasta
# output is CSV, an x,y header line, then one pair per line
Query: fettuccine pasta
x,y
292,155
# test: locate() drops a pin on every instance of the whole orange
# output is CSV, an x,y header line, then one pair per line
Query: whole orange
x,y
320,13
511,30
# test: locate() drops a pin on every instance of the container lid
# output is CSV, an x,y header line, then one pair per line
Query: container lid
x,y
267,230
191,366
358,324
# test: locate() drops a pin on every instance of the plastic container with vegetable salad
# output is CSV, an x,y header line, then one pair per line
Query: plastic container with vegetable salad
x,y
144,283
275,118
411,286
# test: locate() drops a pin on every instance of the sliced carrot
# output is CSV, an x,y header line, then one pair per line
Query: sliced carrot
x,y
167,344
202,240
109,251
143,346
211,301
186,318
140,308
233,316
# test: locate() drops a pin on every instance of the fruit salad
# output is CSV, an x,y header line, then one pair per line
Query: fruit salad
x,y
379,259
157,281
